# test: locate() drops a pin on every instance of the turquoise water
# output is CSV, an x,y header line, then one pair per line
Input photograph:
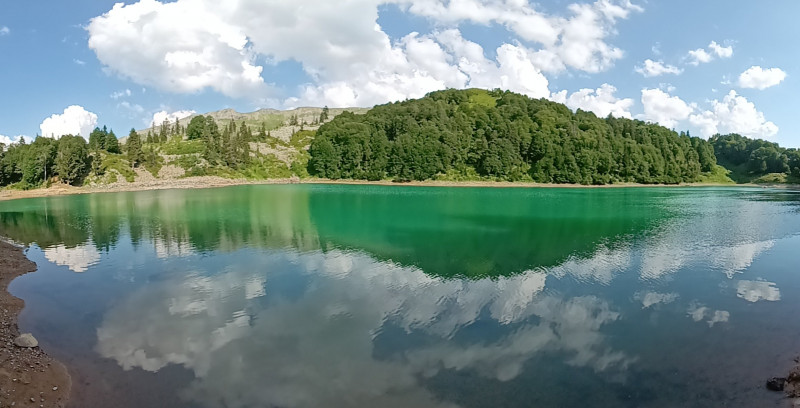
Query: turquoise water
x,y
366,296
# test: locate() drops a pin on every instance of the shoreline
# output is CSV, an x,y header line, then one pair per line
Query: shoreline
x,y
216,182
28,376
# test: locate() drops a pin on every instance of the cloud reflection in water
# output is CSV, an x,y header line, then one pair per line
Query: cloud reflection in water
x,y
251,347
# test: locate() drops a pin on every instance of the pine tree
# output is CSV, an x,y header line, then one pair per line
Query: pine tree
x,y
163,135
211,137
97,139
134,146
112,143
177,130
324,115
262,133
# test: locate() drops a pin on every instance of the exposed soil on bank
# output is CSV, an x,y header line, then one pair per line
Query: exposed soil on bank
x,y
28,376
213,182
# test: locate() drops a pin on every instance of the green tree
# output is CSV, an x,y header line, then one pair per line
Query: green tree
x,y
212,138
71,159
134,147
38,161
165,131
323,117
97,139
112,143
196,127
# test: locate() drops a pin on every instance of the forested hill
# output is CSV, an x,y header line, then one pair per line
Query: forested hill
x,y
471,134
755,160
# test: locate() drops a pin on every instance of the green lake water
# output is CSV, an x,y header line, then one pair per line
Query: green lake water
x,y
372,296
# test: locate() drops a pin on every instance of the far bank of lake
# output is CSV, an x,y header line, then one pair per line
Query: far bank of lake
x,y
215,182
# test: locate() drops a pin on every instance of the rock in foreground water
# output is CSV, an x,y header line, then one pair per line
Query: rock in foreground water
x,y
776,384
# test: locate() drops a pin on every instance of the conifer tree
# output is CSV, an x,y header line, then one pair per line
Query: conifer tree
x,y
112,143
134,146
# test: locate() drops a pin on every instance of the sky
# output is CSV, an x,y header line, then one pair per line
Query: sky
x,y
704,66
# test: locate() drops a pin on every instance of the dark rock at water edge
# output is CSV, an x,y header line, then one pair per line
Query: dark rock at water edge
x,y
776,384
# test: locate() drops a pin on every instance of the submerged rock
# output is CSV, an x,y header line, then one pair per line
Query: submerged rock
x,y
26,340
776,384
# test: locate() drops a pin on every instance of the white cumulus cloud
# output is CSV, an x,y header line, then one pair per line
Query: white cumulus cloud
x,y
74,121
7,140
759,78
4,30
183,46
734,114
652,68
348,57
158,117
601,101
663,108
720,51
702,56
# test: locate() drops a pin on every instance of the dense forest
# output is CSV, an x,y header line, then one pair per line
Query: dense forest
x,y
503,136
751,159
454,135
69,159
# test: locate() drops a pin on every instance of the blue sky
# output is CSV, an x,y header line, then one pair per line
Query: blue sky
x,y
714,65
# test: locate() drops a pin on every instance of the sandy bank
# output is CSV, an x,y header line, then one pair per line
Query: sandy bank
x,y
28,376
212,182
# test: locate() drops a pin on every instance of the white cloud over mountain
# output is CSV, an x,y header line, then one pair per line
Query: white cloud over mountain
x,y
7,140
601,101
219,46
734,114
663,108
759,78
190,46
159,117
74,121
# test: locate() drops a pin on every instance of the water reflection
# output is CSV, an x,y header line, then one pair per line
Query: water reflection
x,y
699,313
357,296
250,346
77,259
754,291
650,299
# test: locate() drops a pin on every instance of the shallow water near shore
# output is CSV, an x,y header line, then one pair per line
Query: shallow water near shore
x,y
363,296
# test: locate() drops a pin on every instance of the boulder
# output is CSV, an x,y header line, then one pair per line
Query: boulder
x,y
776,384
26,340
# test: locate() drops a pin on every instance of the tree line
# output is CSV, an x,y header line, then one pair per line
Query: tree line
x,y
452,135
503,136
229,147
32,164
754,156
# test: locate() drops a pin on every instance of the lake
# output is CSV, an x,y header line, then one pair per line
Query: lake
x,y
381,296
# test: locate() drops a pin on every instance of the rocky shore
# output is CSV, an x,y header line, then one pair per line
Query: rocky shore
x,y
28,376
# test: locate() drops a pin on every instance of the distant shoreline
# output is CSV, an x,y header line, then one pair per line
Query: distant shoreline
x,y
216,182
